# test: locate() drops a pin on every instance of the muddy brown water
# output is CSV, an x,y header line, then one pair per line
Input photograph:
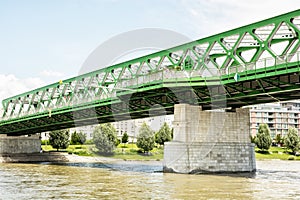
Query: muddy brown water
x,y
144,180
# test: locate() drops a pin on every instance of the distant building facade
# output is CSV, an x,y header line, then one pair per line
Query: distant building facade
x,y
278,116
131,127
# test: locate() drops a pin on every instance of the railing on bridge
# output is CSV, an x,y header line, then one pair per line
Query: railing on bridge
x,y
64,88
260,46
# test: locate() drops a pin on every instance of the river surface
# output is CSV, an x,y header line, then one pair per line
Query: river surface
x,y
144,180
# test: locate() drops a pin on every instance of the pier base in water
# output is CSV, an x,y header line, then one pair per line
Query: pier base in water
x,y
19,144
209,142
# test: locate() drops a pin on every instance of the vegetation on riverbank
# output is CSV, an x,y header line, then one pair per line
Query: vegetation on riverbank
x,y
132,152
123,151
149,145
275,153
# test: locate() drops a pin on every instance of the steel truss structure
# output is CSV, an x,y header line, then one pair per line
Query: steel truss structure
x,y
257,63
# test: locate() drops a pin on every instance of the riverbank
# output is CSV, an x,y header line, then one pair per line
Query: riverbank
x,y
84,154
132,152
33,157
63,157
123,152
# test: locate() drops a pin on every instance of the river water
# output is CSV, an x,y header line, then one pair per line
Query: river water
x,y
136,180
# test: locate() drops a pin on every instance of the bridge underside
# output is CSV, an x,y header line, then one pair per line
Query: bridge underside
x,y
256,63
161,99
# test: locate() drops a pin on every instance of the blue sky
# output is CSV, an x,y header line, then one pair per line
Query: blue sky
x,y
43,41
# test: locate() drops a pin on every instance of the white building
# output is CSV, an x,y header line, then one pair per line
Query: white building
x,y
278,116
131,127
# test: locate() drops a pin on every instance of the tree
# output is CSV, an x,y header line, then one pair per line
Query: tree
x,y
78,138
163,135
252,138
125,138
145,139
105,138
292,140
278,139
263,138
59,139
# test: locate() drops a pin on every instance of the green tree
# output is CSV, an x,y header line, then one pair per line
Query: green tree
x,y
263,138
278,139
59,139
145,139
105,138
252,139
125,138
292,140
163,135
78,138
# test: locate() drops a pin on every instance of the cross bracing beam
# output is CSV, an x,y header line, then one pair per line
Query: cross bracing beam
x,y
239,65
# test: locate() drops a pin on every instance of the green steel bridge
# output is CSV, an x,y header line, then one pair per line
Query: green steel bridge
x,y
256,63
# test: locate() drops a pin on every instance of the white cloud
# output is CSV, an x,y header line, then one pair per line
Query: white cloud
x,y
51,73
10,85
215,16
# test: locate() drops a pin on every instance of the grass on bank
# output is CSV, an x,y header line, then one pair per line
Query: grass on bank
x,y
132,152
275,153
123,151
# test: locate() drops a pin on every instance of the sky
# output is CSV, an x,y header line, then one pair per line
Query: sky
x,y
44,41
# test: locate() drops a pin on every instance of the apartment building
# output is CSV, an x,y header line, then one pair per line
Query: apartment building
x,y
131,127
278,116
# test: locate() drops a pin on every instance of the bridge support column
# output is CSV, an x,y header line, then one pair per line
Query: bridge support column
x,y
209,142
19,144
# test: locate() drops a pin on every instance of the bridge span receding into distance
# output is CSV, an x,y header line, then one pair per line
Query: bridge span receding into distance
x,y
256,63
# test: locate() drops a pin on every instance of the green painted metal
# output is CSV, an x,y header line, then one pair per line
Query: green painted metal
x,y
264,56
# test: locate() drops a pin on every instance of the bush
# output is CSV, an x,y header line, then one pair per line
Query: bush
x,y
291,158
263,138
292,140
78,138
252,139
163,135
125,138
45,142
89,142
145,139
134,151
59,139
263,152
82,153
105,139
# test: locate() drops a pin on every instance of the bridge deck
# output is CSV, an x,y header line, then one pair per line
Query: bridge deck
x,y
257,63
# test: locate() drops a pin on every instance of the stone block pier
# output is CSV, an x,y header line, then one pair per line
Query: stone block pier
x,y
15,149
209,142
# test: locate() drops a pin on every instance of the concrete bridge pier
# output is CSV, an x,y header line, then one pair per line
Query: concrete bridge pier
x,y
15,149
209,142
20,144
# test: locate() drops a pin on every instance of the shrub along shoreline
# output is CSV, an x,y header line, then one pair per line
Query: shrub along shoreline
x,y
122,151
132,152
279,153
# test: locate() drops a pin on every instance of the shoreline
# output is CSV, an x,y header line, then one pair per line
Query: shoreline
x,y
106,160
73,158
62,157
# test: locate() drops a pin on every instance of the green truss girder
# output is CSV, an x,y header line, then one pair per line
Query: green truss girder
x,y
261,54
